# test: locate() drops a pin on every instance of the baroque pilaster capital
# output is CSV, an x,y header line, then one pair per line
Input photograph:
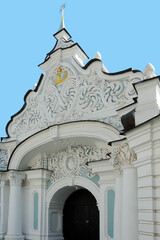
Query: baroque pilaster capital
x,y
3,179
122,155
16,178
3,158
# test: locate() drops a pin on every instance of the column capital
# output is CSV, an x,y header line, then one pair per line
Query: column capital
x,y
3,179
3,176
16,178
122,155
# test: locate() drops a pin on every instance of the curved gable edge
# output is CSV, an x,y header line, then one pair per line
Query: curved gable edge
x,y
87,67
23,107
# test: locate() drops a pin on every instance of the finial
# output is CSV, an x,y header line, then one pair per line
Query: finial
x,y
62,19
149,71
62,9
35,85
97,55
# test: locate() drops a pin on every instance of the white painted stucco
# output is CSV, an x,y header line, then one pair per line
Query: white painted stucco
x,y
83,128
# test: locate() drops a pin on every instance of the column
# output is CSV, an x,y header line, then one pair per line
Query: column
x,y
129,212
116,161
3,205
118,206
14,216
129,204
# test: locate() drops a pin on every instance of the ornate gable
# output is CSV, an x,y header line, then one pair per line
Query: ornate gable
x,y
69,91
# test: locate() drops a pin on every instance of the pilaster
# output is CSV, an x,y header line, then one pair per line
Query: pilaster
x,y
14,216
126,192
118,195
33,204
106,174
3,204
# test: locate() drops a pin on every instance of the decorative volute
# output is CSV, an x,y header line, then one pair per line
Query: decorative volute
x,y
16,178
122,155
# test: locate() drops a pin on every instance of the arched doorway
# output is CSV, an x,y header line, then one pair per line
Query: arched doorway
x,y
81,216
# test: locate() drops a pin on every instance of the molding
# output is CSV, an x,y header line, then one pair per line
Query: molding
x,y
78,181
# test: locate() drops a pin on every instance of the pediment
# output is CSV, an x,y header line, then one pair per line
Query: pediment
x,y
69,91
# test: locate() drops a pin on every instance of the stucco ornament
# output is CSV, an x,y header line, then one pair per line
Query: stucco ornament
x,y
3,179
59,97
72,161
16,178
122,155
3,158
67,94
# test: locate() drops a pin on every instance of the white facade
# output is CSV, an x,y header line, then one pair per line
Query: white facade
x,y
83,128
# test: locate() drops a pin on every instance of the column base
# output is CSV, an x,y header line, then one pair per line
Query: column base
x,y
14,237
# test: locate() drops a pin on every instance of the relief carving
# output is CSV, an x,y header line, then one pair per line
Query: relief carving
x,y
72,161
69,96
122,155
3,179
3,158
16,178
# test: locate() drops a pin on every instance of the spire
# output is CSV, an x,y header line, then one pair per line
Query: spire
x,y
62,19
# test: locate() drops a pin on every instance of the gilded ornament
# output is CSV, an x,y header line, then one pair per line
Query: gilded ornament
x,y
60,76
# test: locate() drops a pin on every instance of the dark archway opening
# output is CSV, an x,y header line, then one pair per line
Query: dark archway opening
x,y
81,216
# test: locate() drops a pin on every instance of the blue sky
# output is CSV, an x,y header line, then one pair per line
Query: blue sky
x,y
126,33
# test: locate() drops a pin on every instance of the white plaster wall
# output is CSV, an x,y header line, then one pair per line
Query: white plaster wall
x,y
145,141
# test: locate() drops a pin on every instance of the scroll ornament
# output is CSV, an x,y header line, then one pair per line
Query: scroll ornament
x,y
68,96
72,161
3,158
16,178
122,155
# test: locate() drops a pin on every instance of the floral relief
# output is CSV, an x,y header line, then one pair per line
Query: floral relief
x,y
74,96
3,158
122,155
71,162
